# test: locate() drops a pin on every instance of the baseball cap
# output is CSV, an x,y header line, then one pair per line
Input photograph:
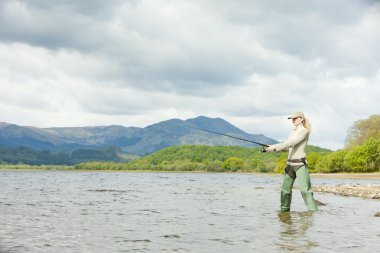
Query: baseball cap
x,y
296,115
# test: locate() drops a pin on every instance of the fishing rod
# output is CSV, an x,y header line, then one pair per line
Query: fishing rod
x,y
263,149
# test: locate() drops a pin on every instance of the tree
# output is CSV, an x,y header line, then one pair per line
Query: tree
x,y
281,164
364,158
333,162
371,148
363,130
312,160
356,159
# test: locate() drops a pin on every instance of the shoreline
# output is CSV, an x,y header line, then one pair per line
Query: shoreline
x,y
369,176
361,176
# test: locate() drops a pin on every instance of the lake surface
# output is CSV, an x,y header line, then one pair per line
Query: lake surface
x,y
62,211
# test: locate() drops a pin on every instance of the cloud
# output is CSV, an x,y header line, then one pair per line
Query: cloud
x,y
138,62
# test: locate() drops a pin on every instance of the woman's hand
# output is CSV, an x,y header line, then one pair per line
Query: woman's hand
x,y
271,148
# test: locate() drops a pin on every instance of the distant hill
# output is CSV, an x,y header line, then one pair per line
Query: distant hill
x,y
130,140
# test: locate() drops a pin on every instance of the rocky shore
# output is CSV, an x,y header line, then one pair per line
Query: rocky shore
x,y
371,176
352,190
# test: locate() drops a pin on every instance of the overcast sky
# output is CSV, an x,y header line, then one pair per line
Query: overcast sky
x,y
135,63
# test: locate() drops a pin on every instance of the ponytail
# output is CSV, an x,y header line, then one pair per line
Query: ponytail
x,y
306,124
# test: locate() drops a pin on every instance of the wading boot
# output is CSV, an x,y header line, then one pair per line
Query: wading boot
x,y
304,184
286,193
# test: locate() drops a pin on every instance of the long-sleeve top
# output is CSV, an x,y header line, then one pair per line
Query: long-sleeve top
x,y
296,144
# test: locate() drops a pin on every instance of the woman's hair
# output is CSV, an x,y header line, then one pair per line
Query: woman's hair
x,y
306,124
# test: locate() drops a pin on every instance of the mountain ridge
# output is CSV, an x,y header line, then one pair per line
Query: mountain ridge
x,y
131,140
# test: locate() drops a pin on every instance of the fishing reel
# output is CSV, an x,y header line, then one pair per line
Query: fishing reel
x,y
263,150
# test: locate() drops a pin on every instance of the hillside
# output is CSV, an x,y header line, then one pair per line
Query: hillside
x,y
204,158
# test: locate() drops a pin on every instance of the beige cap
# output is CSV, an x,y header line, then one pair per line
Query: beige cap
x,y
296,115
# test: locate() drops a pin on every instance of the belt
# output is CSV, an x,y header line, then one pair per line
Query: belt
x,y
302,160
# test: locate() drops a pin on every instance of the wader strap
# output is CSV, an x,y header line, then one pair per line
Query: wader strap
x,y
292,169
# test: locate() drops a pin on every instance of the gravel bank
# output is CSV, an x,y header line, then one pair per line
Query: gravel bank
x,y
371,176
351,190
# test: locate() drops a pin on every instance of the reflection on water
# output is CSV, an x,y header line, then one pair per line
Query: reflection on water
x,y
294,226
55,211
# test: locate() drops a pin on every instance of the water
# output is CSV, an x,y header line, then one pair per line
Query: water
x,y
55,211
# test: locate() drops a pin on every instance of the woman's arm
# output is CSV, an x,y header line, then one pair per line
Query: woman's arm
x,y
291,142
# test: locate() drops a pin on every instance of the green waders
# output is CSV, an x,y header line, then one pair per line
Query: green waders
x,y
305,187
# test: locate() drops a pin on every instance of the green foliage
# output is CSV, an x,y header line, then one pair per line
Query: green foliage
x,y
281,164
364,158
312,160
355,159
233,164
316,149
361,158
333,162
26,155
91,154
32,167
362,152
205,158
199,158
210,158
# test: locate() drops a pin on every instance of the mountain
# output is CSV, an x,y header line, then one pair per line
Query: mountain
x,y
130,140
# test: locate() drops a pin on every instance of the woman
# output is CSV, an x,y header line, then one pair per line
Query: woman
x,y
296,164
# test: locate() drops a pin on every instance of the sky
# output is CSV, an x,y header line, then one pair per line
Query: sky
x,y
139,62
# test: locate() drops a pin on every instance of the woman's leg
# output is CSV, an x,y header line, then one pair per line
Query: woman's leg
x,y
286,193
305,187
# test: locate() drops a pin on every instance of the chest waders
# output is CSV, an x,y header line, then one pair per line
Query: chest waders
x,y
291,173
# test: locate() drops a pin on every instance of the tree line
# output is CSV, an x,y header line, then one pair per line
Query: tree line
x,y
26,155
202,158
361,152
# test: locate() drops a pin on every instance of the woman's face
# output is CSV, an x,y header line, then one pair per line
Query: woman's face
x,y
297,121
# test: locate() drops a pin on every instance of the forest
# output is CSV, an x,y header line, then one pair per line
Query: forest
x,y
27,155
